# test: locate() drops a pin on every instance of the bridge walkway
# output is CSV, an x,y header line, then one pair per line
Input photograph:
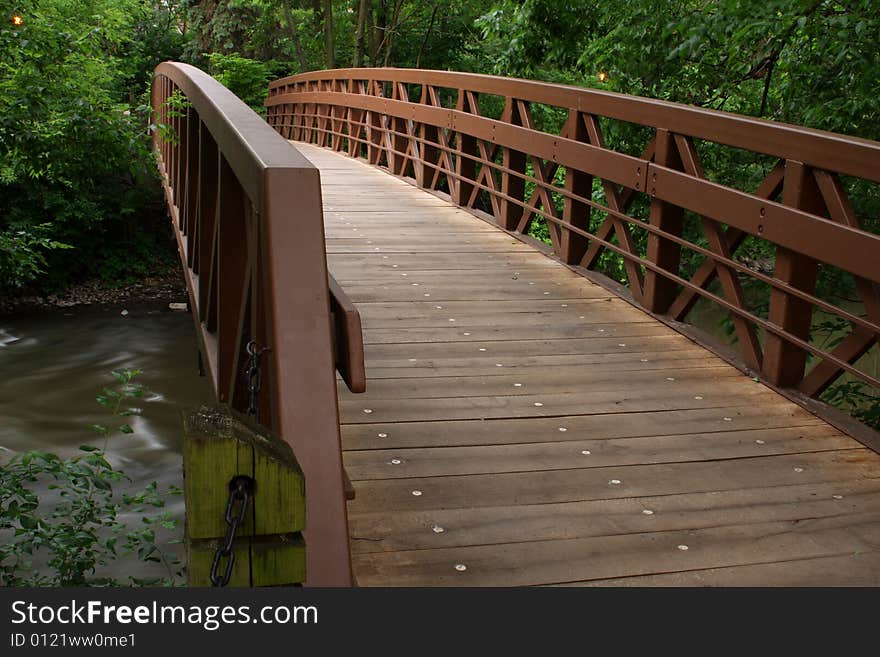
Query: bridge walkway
x,y
524,426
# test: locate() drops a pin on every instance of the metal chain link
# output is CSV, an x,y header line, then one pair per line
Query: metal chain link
x,y
254,378
241,488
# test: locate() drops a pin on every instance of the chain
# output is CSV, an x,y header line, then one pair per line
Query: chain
x,y
241,488
254,378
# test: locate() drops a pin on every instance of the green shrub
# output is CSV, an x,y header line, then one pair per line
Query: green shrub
x,y
246,78
61,519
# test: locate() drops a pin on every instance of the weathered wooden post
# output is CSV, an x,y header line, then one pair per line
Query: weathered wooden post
x,y
236,470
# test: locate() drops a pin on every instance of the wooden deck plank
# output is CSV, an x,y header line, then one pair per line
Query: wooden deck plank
x,y
453,332
516,349
544,404
395,463
553,486
577,427
568,380
519,420
414,530
670,362
377,262
859,569
560,561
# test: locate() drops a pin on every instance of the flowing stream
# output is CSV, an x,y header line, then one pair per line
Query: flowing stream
x,y
52,366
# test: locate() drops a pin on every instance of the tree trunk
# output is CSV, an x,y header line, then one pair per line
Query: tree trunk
x,y
427,35
294,36
328,33
390,29
377,30
360,45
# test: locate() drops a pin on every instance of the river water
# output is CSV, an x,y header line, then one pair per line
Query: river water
x,y
52,365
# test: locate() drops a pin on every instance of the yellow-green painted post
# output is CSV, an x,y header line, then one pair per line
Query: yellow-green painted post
x,y
269,548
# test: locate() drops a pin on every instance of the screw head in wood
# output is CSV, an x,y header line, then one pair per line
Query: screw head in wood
x,y
460,567
417,493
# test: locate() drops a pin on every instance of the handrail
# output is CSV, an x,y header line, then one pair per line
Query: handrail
x,y
247,213
427,126
825,150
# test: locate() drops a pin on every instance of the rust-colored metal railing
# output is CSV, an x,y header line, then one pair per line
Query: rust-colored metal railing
x,y
247,212
427,126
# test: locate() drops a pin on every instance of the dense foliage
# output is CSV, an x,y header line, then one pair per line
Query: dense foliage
x,y
75,167
77,192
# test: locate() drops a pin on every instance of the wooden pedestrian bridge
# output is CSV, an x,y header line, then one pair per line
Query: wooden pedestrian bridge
x,y
495,410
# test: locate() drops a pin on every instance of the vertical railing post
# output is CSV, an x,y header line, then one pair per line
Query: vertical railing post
x,y
375,129
207,213
659,291
575,213
428,174
177,151
465,167
232,284
191,197
512,185
784,362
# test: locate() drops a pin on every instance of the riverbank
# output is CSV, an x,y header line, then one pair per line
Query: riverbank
x,y
153,292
